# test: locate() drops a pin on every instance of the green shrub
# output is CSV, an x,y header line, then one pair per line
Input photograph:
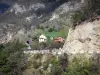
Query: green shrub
x,y
11,58
63,61
94,6
36,64
79,66
56,70
35,45
77,16
38,56
54,60
45,65
1,47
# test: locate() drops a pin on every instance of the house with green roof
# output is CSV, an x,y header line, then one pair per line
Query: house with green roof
x,y
51,35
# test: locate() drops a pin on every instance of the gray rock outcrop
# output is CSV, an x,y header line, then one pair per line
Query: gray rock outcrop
x,y
85,38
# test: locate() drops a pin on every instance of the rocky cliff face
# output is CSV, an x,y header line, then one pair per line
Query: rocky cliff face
x,y
25,14
85,38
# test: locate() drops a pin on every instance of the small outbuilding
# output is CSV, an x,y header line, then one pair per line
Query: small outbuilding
x,y
42,38
58,39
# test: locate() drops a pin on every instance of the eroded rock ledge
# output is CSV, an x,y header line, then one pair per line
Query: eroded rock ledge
x,y
85,38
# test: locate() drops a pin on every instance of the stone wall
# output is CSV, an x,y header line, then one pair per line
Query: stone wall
x,y
54,51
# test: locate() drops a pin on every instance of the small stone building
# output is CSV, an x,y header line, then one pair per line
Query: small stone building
x,y
42,38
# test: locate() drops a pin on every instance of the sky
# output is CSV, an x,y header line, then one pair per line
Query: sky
x,y
4,5
7,1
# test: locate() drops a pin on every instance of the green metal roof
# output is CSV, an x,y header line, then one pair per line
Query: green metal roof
x,y
51,34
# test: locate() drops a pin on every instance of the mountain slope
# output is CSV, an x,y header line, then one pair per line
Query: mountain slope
x,y
84,38
25,14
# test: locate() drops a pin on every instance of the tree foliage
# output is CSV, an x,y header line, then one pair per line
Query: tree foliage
x,y
12,61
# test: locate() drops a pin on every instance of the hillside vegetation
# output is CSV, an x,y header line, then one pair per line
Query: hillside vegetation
x,y
13,60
